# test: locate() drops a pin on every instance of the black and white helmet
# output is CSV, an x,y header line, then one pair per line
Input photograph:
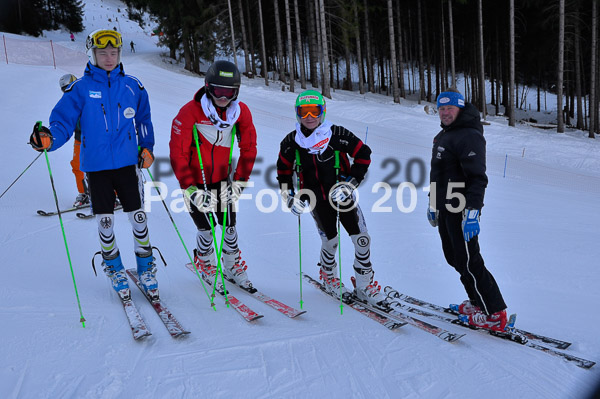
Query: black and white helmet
x,y
223,79
66,80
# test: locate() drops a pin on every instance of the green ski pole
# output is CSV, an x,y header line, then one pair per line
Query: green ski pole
x,y
298,170
337,208
212,304
62,227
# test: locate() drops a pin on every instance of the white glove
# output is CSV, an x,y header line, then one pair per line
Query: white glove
x,y
343,190
233,192
296,205
205,201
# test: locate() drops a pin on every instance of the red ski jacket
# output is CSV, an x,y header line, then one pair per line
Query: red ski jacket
x,y
214,145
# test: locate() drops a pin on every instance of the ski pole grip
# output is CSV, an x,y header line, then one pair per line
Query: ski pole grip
x,y
36,130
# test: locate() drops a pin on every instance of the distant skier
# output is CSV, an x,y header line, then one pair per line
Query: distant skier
x,y
132,45
218,116
72,36
83,196
115,119
458,172
313,148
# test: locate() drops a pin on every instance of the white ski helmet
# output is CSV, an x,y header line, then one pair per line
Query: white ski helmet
x,y
102,38
66,80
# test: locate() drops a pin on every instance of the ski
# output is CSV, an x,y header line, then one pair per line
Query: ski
x,y
393,294
247,313
170,322
394,312
41,212
512,334
137,324
383,320
82,215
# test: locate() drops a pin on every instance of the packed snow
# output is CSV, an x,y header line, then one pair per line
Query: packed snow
x,y
539,237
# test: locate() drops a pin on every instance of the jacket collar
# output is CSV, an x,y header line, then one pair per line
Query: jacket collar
x,y
100,75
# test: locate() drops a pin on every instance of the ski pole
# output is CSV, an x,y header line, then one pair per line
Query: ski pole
x,y
23,172
337,209
62,227
212,304
298,170
210,219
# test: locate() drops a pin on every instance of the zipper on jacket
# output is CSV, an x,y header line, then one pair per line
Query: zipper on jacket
x,y
119,116
105,121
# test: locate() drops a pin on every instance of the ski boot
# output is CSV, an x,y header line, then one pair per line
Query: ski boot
x,y
113,267
331,282
235,270
146,270
465,308
82,200
367,290
205,264
495,322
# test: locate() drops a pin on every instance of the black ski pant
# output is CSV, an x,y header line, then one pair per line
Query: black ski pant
x,y
465,257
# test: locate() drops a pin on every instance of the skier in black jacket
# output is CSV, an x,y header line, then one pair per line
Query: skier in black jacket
x,y
458,183
312,150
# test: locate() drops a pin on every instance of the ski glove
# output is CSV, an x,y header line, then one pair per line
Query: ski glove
x,y
41,138
145,158
205,201
343,190
470,223
432,216
295,204
233,192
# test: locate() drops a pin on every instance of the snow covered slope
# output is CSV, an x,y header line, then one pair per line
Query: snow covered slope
x,y
539,237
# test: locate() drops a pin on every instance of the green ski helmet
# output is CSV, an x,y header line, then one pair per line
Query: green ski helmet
x,y
310,102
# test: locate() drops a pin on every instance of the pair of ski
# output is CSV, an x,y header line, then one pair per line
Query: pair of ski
x,y
139,329
523,337
389,317
80,215
247,313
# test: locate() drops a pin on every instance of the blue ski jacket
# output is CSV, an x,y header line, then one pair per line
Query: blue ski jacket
x,y
115,118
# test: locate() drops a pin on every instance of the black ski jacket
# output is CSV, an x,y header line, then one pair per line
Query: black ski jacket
x,y
458,156
317,172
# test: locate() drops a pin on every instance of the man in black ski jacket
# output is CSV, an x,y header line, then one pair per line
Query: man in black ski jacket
x,y
458,183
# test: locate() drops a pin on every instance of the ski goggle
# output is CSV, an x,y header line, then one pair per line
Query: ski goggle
x,y
219,92
314,110
103,38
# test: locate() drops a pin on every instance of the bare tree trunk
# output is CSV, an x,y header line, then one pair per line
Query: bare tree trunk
x,y
393,52
560,128
251,37
361,75
300,47
264,69
369,56
400,57
347,85
326,87
244,40
578,72
280,59
319,42
592,101
482,101
314,43
232,32
290,51
451,34
443,82
420,44
511,79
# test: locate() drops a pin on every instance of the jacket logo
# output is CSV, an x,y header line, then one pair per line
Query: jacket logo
x,y
129,113
95,94
471,154
321,143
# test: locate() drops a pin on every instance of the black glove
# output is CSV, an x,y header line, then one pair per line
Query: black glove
x,y
41,138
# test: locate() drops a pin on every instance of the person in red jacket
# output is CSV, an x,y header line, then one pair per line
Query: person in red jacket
x,y
218,119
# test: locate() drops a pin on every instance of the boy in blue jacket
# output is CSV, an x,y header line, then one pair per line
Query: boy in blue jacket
x,y
117,138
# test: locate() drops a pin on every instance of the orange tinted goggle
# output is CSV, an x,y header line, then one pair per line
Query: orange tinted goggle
x,y
106,37
314,110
